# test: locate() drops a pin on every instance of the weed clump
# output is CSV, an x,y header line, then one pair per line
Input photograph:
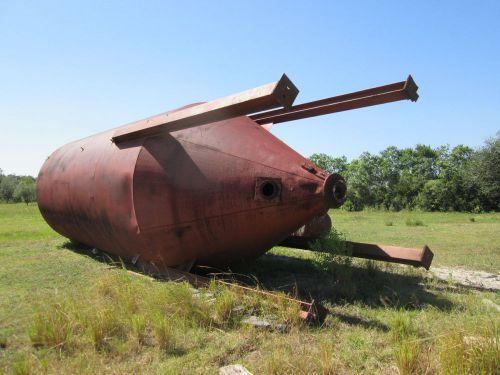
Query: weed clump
x,y
23,365
388,223
53,326
224,309
139,328
414,222
402,326
410,353
332,252
333,255
325,358
167,334
105,327
461,353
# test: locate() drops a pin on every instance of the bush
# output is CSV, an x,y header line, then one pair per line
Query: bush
x,y
414,222
333,255
331,250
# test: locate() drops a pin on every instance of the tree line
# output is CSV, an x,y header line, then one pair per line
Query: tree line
x,y
17,188
426,178
431,179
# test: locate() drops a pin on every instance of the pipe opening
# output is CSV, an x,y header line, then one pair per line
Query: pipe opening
x,y
335,190
268,190
339,190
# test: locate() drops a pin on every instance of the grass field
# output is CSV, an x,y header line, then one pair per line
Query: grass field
x,y
64,312
457,239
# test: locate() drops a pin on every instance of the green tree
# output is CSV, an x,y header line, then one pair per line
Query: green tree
x,y
7,186
419,166
484,171
329,163
461,193
25,191
434,179
390,164
365,186
433,196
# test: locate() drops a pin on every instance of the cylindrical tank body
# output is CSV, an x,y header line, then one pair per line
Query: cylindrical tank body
x,y
216,193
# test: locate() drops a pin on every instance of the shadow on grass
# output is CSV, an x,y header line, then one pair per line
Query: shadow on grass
x,y
363,322
372,285
93,253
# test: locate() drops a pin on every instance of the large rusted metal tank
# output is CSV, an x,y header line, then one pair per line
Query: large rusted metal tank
x,y
214,193
203,183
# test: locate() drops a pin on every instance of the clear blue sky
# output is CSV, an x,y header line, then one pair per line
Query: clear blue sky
x,y
69,69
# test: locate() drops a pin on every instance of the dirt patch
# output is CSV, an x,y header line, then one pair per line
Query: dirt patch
x,y
469,278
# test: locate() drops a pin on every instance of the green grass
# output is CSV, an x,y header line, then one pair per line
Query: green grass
x,y
453,237
64,312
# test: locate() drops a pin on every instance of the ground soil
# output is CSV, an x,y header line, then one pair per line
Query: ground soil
x,y
468,278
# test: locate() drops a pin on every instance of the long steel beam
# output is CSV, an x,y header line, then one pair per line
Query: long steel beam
x,y
281,93
359,99
395,254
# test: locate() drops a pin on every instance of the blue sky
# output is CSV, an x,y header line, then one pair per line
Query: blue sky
x,y
69,69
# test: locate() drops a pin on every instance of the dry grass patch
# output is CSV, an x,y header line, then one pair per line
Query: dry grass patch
x,y
463,352
124,316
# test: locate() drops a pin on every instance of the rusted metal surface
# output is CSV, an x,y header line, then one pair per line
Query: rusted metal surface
x,y
281,93
403,90
394,254
316,228
336,186
197,184
319,226
190,195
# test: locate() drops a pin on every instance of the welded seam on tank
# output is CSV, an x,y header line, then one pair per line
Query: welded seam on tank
x,y
132,186
252,161
152,229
